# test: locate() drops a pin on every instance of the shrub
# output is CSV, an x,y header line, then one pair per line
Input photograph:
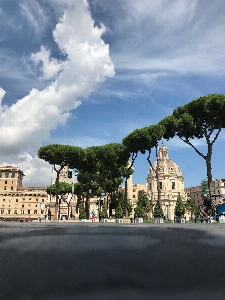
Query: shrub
x,y
158,212
82,214
180,207
103,213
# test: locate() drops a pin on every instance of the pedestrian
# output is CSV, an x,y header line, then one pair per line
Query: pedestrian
x,y
205,206
93,216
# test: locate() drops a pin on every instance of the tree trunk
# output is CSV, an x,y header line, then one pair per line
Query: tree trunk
x,y
78,203
157,176
209,173
56,195
87,206
125,200
68,210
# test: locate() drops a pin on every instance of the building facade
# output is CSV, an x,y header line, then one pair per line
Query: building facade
x,y
218,191
195,192
170,181
18,202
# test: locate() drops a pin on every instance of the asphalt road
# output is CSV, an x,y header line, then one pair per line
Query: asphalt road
x,y
112,261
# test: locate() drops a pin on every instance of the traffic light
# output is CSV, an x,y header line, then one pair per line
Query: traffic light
x,y
70,174
99,202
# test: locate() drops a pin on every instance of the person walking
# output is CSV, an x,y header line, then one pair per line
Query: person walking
x,y
93,216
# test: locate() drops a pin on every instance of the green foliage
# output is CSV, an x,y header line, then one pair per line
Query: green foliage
x,y
204,186
141,140
191,207
158,212
82,214
200,118
103,213
179,210
64,188
61,155
121,205
103,167
120,213
143,206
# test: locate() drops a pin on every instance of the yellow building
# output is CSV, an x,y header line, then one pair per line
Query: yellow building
x,y
18,202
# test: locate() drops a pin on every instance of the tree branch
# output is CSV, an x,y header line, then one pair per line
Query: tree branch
x,y
190,144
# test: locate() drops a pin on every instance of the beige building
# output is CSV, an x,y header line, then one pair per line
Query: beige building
x,y
133,191
218,188
171,182
195,192
218,191
16,201
10,178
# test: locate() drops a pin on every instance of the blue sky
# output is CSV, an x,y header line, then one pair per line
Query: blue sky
x,y
88,73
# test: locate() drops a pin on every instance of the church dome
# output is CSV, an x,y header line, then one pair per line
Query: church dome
x,y
165,165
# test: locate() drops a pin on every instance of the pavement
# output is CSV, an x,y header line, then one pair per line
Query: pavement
x,y
112,261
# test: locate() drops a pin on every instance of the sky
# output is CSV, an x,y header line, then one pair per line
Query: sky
x,y
88,73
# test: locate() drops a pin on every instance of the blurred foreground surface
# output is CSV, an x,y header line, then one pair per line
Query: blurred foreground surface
x,y
109,261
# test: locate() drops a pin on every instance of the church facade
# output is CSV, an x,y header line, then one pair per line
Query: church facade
x,y
170,182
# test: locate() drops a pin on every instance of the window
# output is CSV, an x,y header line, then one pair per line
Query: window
x,y
10,200
35,211
173,185
133,196
37,200
3,200
9,211
7,175
5,181
30,199
36,205
2,211
23,199
13,175
43,200
15,211
11,188
28,211
22,205
4,188
22,212
0,174
12,182
150,186
160,185
16,200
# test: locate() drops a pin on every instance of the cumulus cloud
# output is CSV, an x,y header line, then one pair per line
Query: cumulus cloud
x,y
48,66
2,94
28,122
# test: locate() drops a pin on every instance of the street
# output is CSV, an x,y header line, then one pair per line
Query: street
x,y
112,261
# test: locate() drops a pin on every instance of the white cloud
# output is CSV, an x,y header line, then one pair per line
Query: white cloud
x,y
29,121
48,66
171,36
2,94
35,14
